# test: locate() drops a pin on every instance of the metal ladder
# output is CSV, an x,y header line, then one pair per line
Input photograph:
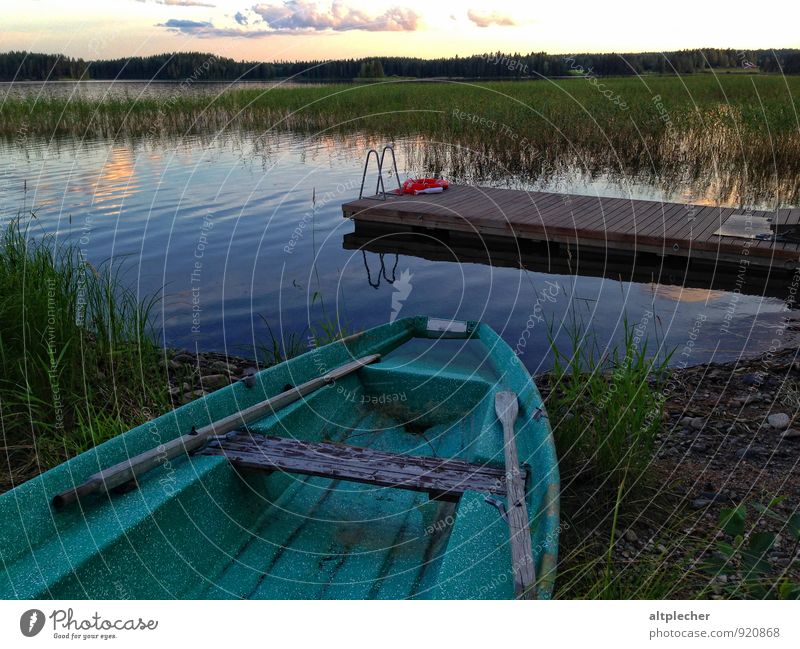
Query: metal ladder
x,y
379,159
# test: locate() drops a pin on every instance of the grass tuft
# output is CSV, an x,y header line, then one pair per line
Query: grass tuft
x,y
79,360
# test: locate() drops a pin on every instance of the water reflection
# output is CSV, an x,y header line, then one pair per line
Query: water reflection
x,y
146,202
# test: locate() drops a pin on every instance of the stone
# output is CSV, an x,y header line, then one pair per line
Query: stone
x,y
791,433
698,423
215,381
779,420
221,367
630,536
699,503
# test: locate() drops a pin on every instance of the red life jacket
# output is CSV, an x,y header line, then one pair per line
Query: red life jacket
x,y
419,185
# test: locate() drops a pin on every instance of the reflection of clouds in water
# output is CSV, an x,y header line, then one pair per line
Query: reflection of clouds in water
x,y
684,294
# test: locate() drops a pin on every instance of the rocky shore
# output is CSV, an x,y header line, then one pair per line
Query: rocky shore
x,y
192,376
731,436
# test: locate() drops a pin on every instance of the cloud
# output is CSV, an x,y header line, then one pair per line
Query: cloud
x,y
298,17
202,29
306,15
486,19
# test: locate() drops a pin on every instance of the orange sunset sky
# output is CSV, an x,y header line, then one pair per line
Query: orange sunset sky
x,y
305,29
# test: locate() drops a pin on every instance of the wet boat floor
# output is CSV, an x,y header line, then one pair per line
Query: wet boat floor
x,y
324,538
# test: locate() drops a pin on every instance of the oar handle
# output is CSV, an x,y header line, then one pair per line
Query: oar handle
x,y
131,468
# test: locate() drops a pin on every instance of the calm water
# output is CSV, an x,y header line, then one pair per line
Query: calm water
x,y
239,230
127,89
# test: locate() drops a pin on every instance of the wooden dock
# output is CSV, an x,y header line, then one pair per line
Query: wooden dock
x,y
587,223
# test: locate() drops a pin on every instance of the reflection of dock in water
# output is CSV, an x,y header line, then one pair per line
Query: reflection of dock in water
x,y
503,252
612,226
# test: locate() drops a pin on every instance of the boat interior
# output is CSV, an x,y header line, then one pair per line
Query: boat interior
x,y
199,528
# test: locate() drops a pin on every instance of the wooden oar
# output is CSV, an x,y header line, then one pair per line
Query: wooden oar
x,y
507,408
131,468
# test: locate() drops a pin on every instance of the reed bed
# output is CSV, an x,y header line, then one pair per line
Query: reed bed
x,y
79,361
744,128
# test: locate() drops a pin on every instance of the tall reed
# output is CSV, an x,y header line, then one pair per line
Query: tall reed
x,y
76,349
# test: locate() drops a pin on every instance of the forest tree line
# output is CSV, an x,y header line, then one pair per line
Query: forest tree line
x,y
27,66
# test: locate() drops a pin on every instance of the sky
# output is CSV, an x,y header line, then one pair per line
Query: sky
x,y
309,29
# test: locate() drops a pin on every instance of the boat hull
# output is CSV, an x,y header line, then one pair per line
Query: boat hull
x,y
196,527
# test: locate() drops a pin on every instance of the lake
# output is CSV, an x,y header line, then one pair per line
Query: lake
x,y
242,234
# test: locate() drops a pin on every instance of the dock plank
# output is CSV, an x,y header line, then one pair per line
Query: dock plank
x,y
614,224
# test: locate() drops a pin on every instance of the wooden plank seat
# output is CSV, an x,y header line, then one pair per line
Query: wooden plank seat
x,y
444,479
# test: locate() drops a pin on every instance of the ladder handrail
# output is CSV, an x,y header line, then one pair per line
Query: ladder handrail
x,y
390,148
379,159
364,174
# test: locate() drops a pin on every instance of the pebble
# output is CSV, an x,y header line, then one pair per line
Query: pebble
x,y
631,537
791,433
779,420
747,452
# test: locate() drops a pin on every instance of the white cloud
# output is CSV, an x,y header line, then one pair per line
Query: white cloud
x,y
306,15
482,19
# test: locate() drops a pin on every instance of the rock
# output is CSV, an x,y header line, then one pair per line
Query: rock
x,y
192,395
174,391
630,536
174,365
186,387
686,422
751,379
697,423
791,433
185,358
700,503
779,420
748,452
221,367
215,381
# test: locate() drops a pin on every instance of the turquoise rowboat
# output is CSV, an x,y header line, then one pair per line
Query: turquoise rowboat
x,y
388,477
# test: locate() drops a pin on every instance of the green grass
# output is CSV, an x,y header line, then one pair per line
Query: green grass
x,y
79,361
606,405
606,409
